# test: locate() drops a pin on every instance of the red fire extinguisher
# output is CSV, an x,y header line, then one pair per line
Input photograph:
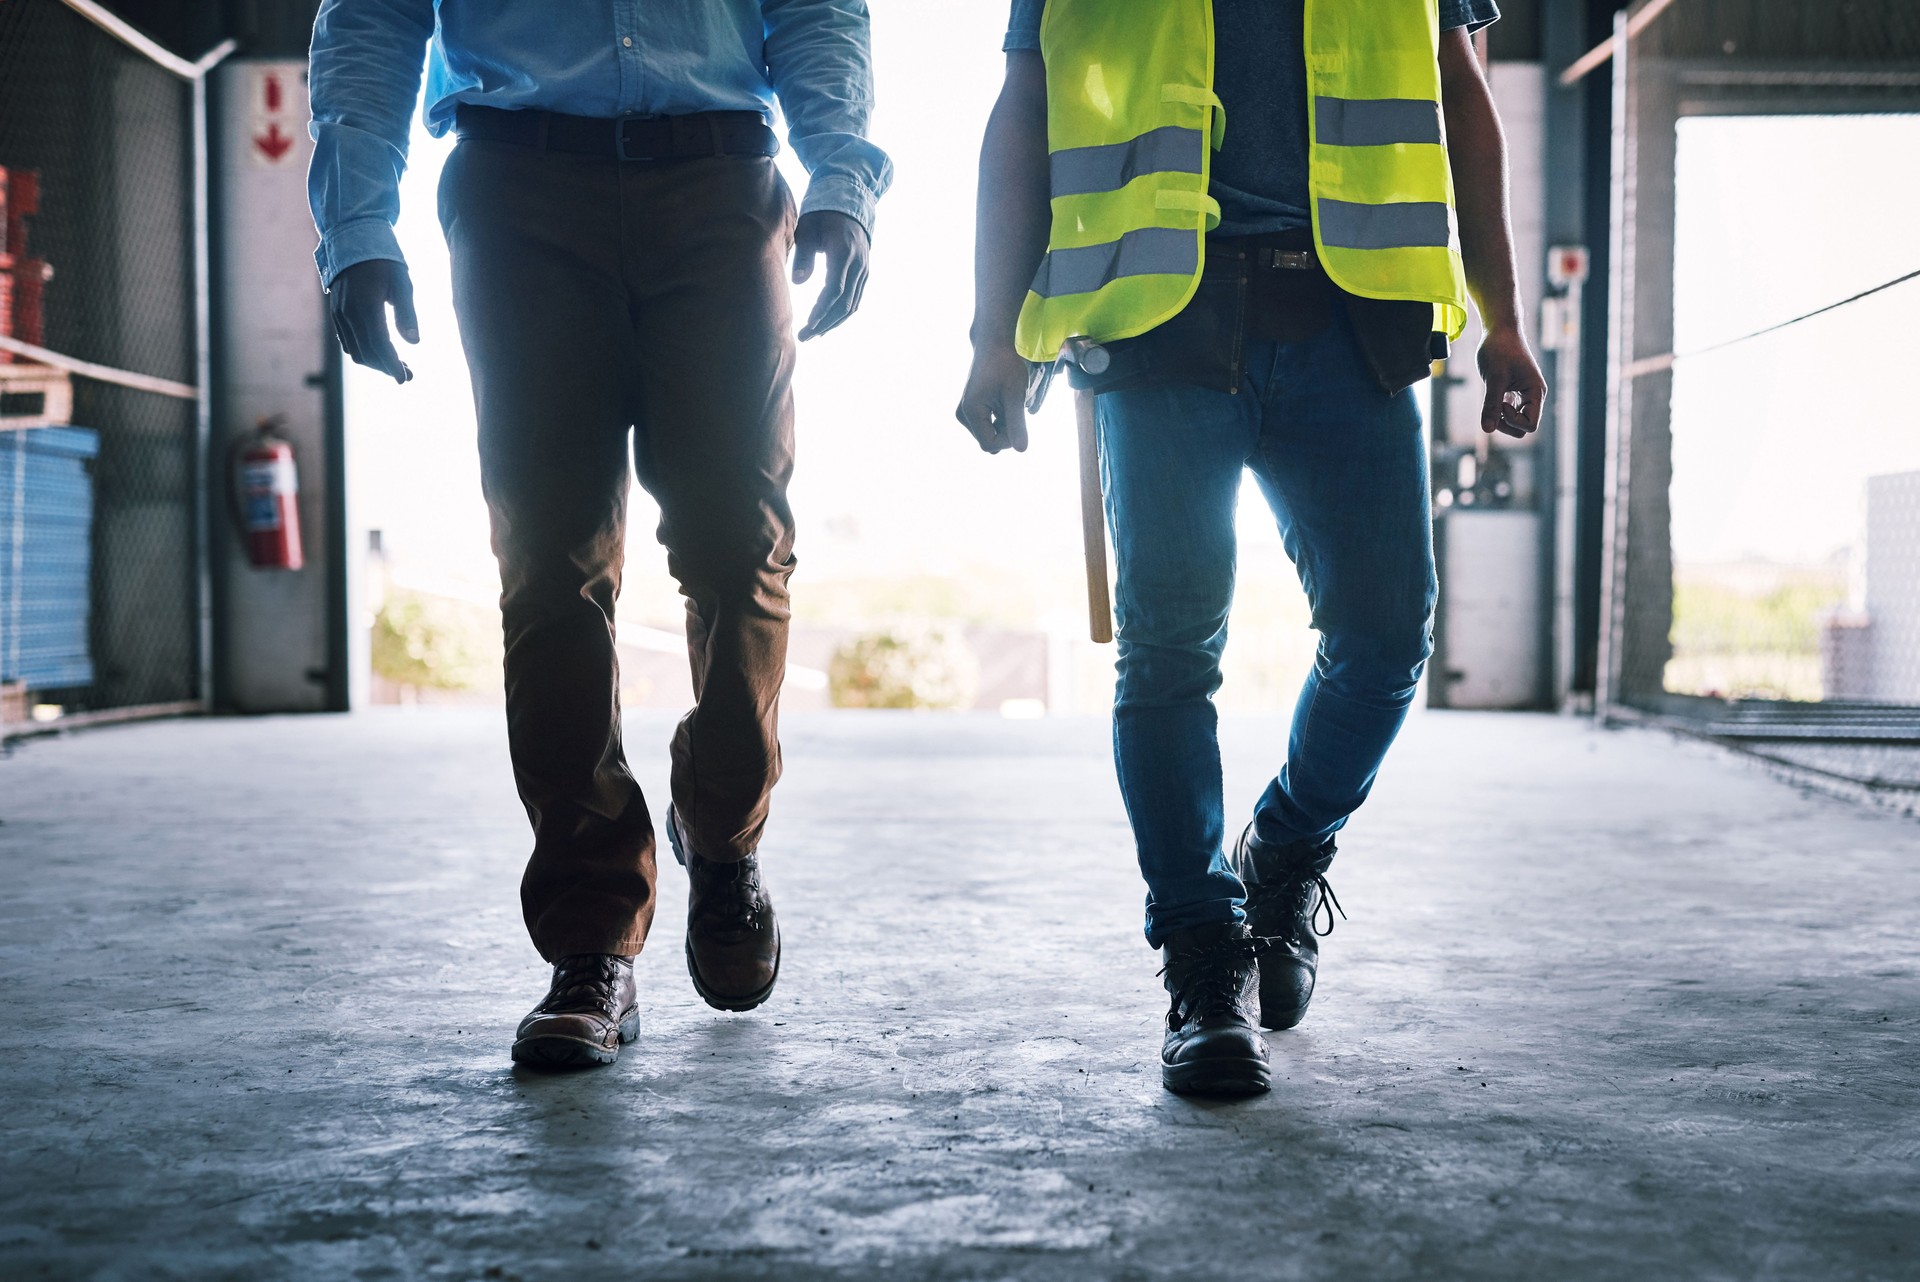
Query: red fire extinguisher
x,y
269,486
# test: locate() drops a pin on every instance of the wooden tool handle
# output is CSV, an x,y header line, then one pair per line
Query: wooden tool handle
x,y
1093,523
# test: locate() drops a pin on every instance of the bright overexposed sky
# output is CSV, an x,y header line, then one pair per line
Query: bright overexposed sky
x,y
1773,440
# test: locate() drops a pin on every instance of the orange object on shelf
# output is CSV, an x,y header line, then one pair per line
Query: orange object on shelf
x,y
23,278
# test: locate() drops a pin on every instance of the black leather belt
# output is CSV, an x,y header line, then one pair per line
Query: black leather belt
x,y
1277,251
701,133
1296,260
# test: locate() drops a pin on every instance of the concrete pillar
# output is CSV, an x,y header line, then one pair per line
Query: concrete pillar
x,y
281,635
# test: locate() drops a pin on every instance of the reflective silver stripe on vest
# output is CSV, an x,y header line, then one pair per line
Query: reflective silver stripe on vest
x,y
1148,251
1375,122
1347,225
1166,150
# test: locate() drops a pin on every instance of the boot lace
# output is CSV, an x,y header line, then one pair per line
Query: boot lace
x,y
585,983
1290,895
1212,981
1328,901
732,900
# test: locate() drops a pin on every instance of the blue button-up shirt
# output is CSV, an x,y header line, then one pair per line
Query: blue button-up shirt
x,y
585,58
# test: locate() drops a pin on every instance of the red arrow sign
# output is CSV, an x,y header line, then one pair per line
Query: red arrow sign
x,y
273,144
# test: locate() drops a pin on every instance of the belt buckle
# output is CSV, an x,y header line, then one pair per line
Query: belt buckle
x,y
1296,260
620,137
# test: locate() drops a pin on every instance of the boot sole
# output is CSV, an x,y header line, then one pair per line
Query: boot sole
x,y
1279,1021
727,1001
573,1052
1218,1077
673,838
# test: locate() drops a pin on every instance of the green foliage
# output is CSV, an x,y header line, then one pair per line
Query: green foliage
x,y
1746,639
906,666
1711,619
430,641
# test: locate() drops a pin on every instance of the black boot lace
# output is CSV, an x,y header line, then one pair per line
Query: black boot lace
x,y
585,983
1211,983
1290,895
1328,901
732,900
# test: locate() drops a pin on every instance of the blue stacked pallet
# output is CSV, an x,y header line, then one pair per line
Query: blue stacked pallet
x,y
46,555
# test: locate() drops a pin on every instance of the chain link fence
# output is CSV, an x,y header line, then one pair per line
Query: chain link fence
x,y
101,594
1762,540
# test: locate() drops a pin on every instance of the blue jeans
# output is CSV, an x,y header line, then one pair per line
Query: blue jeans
x,y
1344,468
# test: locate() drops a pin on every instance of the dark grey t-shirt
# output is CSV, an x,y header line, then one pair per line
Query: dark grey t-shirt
x,y
1260,174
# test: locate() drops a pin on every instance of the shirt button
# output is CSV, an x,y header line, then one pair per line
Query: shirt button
x,y
627,41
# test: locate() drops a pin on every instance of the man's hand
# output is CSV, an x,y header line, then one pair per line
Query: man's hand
x,y
994,405
1011,217
1516,392
358,300
844,241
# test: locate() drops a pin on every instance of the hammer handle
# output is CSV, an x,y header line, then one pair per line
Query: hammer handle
x,y
1093,523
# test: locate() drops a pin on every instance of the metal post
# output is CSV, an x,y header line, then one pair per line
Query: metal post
x,y
1619,389
1566,458
203,407
203,377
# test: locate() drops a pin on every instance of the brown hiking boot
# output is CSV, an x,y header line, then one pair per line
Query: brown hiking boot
x,y
587,1013
733,938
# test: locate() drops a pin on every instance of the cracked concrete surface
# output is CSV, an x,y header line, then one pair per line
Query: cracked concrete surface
x,y
1608,1006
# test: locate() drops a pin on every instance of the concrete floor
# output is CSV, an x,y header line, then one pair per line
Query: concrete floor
x,y
1608,1007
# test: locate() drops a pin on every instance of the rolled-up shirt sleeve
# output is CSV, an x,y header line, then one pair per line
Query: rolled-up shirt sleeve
x,y
820,60
1023,27
1471,14
364,81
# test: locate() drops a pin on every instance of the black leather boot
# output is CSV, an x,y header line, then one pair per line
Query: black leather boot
x,y
733,937
1212,1047
588,1012
1286,892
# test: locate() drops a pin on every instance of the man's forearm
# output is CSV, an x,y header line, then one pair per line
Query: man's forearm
x,y
1477,151
820,60
1012,212
364,80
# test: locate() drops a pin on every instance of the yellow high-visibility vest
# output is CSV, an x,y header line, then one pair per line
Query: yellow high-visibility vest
x,y
1132,124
